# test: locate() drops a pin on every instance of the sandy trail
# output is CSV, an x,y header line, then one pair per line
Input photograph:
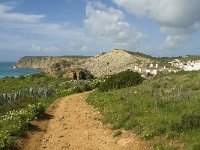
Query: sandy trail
x,y
75,125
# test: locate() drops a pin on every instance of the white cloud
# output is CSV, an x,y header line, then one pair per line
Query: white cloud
x,y
173,42
6,14
178,19
172,13
33,36
81,46
45,49
108,24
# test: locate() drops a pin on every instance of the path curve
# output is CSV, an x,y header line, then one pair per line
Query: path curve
x,y
75,125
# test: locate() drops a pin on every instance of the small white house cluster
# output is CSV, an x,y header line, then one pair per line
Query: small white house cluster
x,y
176,63
152,70
188,66
192,65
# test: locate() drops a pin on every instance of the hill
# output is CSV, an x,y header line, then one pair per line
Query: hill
x,y
112,62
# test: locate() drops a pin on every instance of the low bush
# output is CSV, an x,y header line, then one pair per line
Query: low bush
x,y
121,80
191,120
18,104
85,75
21,77
196,147
38,75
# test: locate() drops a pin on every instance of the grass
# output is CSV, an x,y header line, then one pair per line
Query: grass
x,y
15,115
161,110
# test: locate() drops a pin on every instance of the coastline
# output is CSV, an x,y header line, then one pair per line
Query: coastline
x,y
9,69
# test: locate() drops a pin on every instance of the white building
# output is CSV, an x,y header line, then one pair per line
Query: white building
x,y
154,72
151,66
136,68
156,65
191,66
147,71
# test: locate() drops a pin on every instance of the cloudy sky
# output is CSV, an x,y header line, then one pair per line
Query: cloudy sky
x,y
89,27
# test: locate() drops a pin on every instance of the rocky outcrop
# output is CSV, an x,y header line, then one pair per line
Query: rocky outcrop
x,y
112,62
44,62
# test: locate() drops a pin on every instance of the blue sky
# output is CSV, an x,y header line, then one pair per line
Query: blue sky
x,y
89,27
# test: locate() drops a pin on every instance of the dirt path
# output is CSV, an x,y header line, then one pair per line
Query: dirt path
x,y
74,125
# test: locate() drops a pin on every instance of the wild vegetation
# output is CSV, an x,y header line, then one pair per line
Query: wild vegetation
x,y
23,99
164,110
121,80
140,54
190,57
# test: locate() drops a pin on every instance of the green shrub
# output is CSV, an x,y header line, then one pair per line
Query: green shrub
x,y
77,89
121,80
21,77
18,104
84,75
38,75
188,121
196,147
176,126
66,63
191,121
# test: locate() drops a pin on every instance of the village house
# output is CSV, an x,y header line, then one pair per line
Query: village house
x,y
188,66
176,63
192,65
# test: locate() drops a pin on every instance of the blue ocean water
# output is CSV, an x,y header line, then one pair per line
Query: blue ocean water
x,y
7,70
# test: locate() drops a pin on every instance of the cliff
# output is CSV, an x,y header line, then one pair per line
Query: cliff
x,y
44,62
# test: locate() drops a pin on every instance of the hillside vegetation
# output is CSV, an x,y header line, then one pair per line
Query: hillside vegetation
x,y
165,110
140,54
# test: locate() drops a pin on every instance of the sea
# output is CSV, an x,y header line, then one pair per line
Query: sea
x,y
7,70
